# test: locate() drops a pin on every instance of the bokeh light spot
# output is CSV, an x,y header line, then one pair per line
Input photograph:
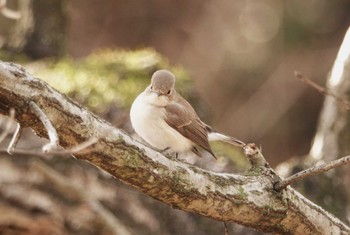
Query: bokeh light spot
x,y
259,22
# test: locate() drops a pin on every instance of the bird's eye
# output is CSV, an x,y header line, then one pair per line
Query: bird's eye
x,y
151,87
168,92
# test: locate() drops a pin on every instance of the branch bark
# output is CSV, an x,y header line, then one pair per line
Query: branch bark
x,y
248,199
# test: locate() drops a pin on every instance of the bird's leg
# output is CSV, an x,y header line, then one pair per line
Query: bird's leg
x,y
164,150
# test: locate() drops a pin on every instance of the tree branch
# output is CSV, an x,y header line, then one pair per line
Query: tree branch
x,y
8,125
311,171
51,131
15,15
322,90
245,199
15,138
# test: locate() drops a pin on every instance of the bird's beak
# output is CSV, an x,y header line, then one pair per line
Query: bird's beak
x,y
158,93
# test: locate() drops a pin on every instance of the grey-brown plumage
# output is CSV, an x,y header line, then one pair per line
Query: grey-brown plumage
x,y
186,121
166,120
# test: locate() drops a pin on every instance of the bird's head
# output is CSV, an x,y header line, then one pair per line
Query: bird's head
x,y
162,88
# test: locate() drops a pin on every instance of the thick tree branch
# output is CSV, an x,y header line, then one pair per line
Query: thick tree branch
x,y
249,200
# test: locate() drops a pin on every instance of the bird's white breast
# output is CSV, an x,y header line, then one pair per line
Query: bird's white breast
x,y
148,122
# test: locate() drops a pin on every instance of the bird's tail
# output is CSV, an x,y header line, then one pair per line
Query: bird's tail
x,y
215,136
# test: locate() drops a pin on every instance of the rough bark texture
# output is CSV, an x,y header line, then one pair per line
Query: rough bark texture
x,y
249,200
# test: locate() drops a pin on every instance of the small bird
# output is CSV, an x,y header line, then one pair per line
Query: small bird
x,y
166,121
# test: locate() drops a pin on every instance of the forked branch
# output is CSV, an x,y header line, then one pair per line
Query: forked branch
x,y
51,131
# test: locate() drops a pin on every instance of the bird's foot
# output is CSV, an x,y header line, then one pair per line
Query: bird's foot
x,y
164,150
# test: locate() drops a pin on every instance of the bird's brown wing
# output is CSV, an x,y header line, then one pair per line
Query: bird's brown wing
x,y
187,123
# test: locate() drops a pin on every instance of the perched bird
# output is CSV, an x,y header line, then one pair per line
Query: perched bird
x,y
166,121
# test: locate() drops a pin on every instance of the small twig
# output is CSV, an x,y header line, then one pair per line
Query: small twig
x,y
322,90
1,121
254,155
51,131
8,125
311,171
11,14
226,229
14,140
80,148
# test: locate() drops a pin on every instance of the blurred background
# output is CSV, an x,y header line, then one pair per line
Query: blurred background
x,y
235,62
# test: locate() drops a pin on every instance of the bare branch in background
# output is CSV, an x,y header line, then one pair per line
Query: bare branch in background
x,y
311,171
15,139
226,229
322,90
8,13
8,125
80,148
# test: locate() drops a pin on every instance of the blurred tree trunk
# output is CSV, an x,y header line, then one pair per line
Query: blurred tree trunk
x,y
332,137
21,28
40,32
333,132
331,141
